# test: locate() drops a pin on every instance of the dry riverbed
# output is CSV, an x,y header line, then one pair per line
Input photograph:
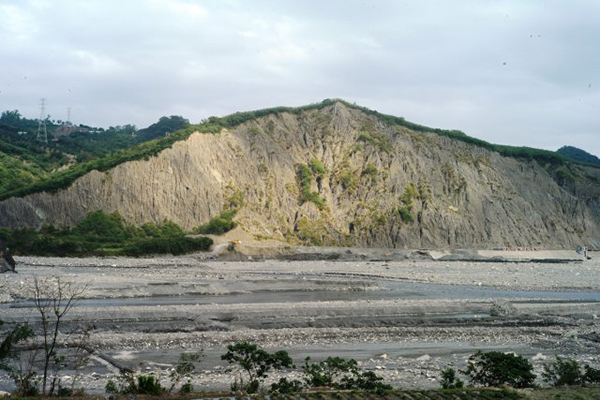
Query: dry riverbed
x,y
404,319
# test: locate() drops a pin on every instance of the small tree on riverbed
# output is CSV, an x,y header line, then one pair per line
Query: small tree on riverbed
x,y
256,362
495,369
53,299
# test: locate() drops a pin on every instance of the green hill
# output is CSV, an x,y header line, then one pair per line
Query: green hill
x,y
578,155
27,165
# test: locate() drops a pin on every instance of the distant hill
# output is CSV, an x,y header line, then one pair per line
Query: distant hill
x,y
24,161
575,154
163,127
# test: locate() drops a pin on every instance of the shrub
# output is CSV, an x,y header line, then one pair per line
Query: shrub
x,y
496,369
256,363
147,384
111,387
405,214
563,174
339,373
348,181
410,193
367,380
370,170
304,177
568,373
449,379
377,140
285,386
24,379
174,246
316,166
327,373
100,233
101,226
591,375
169,229
64,391
563,373
184,370
186,388
310,231
218,225
127,384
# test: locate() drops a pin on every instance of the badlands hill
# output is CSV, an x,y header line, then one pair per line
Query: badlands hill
x,y
338,175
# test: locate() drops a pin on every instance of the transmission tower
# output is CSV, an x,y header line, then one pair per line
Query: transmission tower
x,y
42,133
69,116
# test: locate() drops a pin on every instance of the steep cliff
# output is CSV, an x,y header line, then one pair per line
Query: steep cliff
x,y
337,176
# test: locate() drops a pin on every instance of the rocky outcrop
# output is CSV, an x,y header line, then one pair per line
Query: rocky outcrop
x,y
382,185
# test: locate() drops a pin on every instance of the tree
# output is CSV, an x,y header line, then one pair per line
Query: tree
x,y
328,373
256,363
496,369
11,117
103,226
53,299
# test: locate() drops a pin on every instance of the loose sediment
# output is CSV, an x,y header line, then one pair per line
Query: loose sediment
x,y
404,319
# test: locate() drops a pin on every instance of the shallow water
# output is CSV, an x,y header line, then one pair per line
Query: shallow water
x,y
390,290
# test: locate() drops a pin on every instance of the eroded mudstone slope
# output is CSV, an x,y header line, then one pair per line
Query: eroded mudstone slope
x,y
369,184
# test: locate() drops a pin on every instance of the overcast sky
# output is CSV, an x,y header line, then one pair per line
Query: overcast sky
x,y
512,72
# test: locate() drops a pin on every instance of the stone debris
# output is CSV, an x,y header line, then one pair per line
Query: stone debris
x,y
406,340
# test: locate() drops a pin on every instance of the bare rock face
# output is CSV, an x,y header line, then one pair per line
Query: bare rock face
x,y
382,186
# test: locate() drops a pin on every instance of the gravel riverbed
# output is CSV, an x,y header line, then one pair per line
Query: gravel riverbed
x,y
403,319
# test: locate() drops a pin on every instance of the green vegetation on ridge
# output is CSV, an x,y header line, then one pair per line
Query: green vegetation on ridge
x,y
543,156
29,166
63,179
578,155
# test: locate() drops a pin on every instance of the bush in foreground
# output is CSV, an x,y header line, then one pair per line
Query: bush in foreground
x,y
339,373
128,384
567,372
496,369
256,363
449,379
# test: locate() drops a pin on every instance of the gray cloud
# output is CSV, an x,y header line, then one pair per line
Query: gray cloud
x,y
512,72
